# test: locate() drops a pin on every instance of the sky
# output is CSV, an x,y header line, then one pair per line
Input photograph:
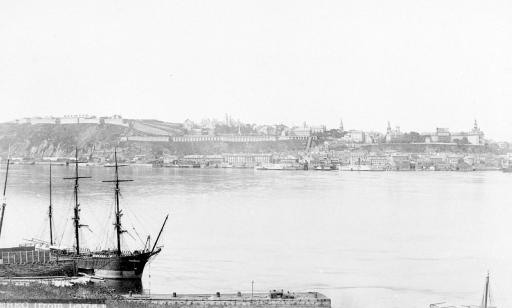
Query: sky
x,y
418,64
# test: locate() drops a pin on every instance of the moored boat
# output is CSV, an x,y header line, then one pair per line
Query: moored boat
x,y
358,168
32,260
507,169
112,263
272,166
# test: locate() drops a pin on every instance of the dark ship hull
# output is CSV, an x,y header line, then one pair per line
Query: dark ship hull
x,y
108,265
30,262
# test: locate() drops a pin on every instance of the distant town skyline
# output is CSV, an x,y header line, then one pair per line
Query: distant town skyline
x,y
391,134
419,65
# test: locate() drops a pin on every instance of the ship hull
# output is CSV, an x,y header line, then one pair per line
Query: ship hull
x,y
114,266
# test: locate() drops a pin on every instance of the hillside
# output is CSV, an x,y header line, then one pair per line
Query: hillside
x,y
99,140
37,141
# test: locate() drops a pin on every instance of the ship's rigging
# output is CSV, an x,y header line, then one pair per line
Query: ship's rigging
x,y
4,202
76,210
118,212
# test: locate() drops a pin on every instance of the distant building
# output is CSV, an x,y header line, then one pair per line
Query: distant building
x,y
145,139
475,136
443,135
392,135
22,121
378,161
300,132
79,119
318,129
358,158
114,120
45,120
188,124
246,159
355,136
222,138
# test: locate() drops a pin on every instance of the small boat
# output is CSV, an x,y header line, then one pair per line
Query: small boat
x,y
357,168
270,166
323,168
507,169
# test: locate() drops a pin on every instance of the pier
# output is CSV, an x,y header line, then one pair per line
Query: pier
x,y
257,300
272,299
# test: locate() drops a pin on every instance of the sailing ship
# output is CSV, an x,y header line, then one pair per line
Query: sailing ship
x,y
31,260
112,263
485,303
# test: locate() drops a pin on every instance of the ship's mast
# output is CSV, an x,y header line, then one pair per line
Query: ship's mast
x,y
118,212
486,299
76,216
4,202
50,208
486,295
159,233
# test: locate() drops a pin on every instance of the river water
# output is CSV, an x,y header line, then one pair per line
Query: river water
x,y
374,239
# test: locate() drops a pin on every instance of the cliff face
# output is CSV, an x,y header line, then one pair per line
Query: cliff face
x,y
37,141
98,140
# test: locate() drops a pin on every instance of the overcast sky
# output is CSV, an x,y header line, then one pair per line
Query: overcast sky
x,y
418,64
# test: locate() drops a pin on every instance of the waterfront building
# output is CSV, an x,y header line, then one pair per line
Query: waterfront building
x,y
343,157
358,157
247,159
401,161
453,159
204,160
378,161
470,160
169,159
288,160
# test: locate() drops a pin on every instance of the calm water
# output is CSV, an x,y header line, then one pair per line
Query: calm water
x,y
364,239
